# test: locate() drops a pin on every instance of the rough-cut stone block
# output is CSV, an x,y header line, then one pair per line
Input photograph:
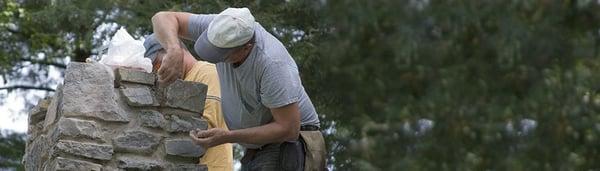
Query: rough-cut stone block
x,y
152,119
137,95
179,112
89,150
186,95
77,128
38,112
190,167
134,76
138,163
183,148
36,153
185,124
72,164
136,141
34,130
91,93
53,108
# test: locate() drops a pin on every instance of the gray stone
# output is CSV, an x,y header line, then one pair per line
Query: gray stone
x,y
34,130
183,148
190,167
152,119
36,153
77,128
91,93
137,95
179,112
138,163
186,124
89,150
53,108
134,76
38,113
186,95
72,164
136,141
93,126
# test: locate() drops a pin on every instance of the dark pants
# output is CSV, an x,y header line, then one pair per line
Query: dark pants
x,y
275,156
278,156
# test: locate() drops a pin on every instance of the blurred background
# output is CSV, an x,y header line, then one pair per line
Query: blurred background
x,y
398,84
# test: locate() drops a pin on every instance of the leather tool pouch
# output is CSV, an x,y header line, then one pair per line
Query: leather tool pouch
x,y
291,156
315,150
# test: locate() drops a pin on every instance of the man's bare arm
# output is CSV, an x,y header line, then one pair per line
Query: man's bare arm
x,y
285,127
167,27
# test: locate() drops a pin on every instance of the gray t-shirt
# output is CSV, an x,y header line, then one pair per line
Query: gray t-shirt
x,y
268,78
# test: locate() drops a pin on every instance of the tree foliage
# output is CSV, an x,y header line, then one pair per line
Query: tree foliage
x,y
508,85
12,147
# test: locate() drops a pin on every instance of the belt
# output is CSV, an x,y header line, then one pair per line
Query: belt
x,y
309,128
249,155
302,128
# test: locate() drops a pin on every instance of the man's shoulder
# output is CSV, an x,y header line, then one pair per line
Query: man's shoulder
x,y
270,46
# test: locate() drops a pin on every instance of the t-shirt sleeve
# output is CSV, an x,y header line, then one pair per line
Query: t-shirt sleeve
x,y
197,24
279,86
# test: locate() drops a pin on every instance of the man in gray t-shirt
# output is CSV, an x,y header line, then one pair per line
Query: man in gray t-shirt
x,y
263,100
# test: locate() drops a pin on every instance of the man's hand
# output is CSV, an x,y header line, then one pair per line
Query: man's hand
x,y
172,67
285,127
210,138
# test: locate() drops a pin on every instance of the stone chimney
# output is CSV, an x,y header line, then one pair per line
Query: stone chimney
x,y
105,119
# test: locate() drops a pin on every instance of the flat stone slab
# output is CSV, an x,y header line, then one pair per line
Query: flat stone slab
x,y
91,93
185,124
138,163
72,164
134,76
183,148
89,150
77,128
139,96
136,141
152,119
186,95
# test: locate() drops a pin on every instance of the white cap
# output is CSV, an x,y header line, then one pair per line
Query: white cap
x,y
231,28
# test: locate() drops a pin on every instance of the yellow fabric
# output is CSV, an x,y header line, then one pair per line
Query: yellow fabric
x,y
219,157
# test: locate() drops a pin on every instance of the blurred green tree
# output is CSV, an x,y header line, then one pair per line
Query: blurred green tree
x,y
462,85
12,146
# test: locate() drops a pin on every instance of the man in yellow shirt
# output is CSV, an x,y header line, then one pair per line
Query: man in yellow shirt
x,y
219,157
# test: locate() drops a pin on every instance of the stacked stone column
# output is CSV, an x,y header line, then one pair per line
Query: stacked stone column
x,y
116,119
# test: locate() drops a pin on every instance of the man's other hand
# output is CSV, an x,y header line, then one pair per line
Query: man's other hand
x,y
172,67
209,138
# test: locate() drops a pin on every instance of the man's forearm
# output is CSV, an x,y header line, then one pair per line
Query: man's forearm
x,y
269,133
166,27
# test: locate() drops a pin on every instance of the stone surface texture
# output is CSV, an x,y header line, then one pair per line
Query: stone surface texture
x,y
187,100
183,147
102,118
